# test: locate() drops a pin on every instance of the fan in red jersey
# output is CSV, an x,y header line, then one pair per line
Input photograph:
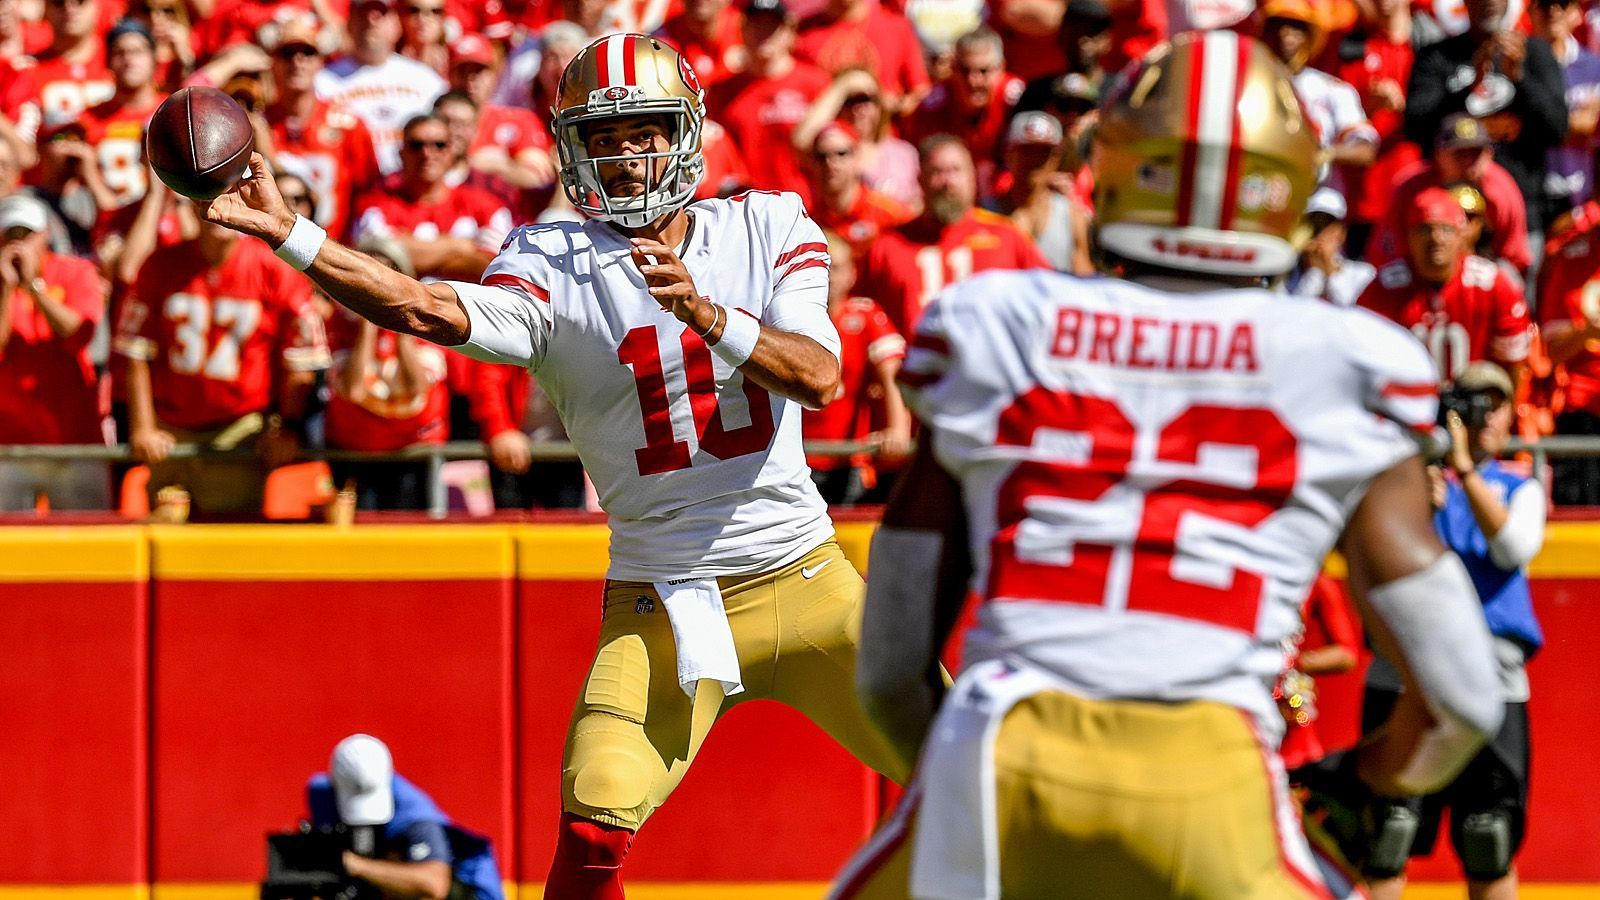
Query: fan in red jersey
x,y
974,104
840,201
321,142
49,307
70,76
1462,307
1461,152
447,231
761,106
115,128
217,334
870,352
707,34
949,242
509,144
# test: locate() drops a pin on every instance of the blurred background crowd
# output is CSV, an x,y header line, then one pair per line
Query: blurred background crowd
x,y
932,138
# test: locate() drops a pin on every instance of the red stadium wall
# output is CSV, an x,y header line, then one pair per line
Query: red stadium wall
x,y
73,706
165,692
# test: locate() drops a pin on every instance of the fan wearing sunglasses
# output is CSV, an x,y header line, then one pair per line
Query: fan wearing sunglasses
x,y
329,145
448,232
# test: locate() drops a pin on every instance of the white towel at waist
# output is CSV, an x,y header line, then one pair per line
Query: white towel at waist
x,y
700,630
956,853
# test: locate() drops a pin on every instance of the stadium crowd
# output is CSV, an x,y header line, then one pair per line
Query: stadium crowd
x,y
933,139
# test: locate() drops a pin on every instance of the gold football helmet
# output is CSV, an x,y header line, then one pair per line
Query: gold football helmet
x,y
1204,159
630,75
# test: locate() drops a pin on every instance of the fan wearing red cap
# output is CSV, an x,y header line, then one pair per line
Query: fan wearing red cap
x,y
509,144
1463,307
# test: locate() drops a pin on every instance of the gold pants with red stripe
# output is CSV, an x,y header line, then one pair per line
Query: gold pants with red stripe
x,y
635,732
1124,799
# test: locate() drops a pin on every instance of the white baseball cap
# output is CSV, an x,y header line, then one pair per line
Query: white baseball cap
x,y
1328,201
23,211
362,772
1034,127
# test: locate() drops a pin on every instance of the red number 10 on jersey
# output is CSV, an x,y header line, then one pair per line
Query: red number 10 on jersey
x,y
664,451
1153,585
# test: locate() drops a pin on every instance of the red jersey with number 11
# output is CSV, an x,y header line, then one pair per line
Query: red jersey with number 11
x,y
905,267
1151,479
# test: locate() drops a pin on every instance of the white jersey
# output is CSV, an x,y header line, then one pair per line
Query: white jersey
x,y
384,97
1335,108
700,470
1152,480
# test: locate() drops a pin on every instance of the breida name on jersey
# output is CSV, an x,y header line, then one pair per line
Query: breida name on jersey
x,y
700,470
1152,479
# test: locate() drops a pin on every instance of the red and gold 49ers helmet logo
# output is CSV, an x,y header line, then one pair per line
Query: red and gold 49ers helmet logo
x,y
686,71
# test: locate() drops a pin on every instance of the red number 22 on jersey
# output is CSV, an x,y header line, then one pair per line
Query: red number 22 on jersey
x,y
1097,468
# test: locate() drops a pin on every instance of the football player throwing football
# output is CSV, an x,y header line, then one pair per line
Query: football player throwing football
x,y
678,340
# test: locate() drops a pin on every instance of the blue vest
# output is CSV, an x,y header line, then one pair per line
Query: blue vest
x,y
1507,603
474,863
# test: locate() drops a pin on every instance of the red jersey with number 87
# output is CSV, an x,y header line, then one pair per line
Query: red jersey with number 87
x,y
218,340
1152,479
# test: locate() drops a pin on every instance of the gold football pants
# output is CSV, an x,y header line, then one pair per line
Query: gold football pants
x,y
1124,799
635,731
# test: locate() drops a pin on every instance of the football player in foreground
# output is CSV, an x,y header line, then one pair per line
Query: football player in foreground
x,y
1141,476
678,342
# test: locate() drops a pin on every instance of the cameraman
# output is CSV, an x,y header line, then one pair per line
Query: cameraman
x,y
1493,518
403,845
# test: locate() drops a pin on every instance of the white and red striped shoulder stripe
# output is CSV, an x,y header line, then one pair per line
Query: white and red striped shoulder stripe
x,y
1209,181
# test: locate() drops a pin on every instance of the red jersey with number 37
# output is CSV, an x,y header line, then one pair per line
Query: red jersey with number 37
x,y
1478,314
905,267
1152,479
700,470
218,340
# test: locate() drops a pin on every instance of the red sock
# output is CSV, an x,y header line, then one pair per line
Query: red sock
x,y
588,863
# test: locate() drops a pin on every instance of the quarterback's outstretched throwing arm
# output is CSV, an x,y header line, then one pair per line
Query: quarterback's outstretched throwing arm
x,y
786,362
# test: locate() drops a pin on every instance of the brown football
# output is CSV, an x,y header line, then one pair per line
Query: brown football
x,y
199,142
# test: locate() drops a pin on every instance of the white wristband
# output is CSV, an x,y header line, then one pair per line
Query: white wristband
x,y
738,339
300,248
